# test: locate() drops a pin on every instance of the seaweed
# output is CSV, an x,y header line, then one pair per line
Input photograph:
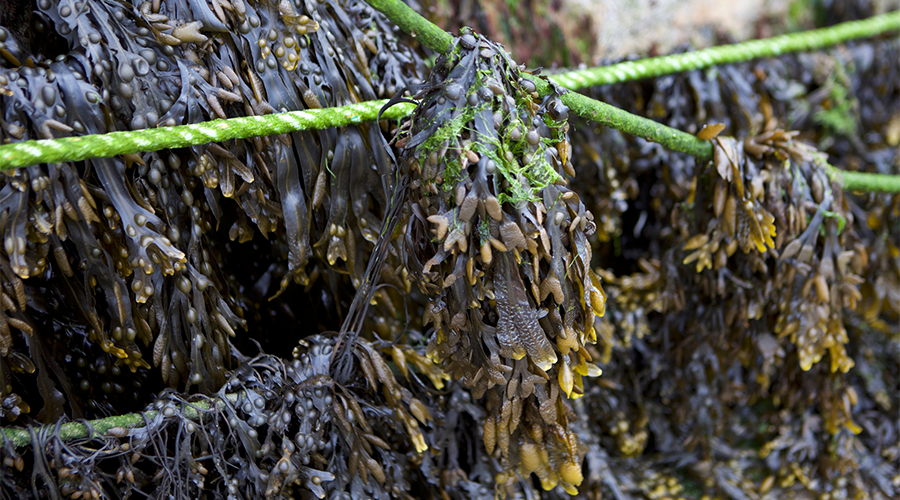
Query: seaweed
x,y
135,240
745,280
506,272
449,330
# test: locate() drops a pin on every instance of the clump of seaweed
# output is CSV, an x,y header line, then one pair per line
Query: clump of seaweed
x,y
129,249
506,269
748,346
741,330
274,430
813,287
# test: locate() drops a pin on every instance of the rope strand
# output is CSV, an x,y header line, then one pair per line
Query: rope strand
x,y
729,54
26,153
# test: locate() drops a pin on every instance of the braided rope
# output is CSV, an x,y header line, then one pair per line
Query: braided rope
x,y
32,152
729,54
25,153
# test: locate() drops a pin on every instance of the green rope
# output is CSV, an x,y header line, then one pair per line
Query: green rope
x,y
423,30
67,149
25,153
611,116
862,181
729,54
604,114
116,143
677,140
77,430
590,109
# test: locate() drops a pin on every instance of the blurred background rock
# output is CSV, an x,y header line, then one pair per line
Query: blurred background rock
x,y
570,32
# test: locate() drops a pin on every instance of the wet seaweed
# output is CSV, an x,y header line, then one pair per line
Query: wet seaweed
x,y
748,341
135,240
745,280
275,429
498,245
